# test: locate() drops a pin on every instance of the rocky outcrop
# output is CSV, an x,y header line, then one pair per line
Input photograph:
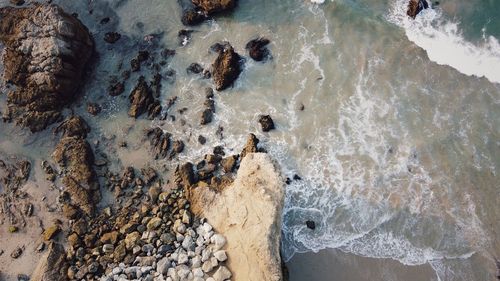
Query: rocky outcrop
x,y
211,7
142,101
46,52
74,155
257,49
52,266
415,7
249,214
226,67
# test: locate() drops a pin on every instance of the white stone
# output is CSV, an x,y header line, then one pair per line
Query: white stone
x,y
172,273
198,272
117,271
207,266
218,240
188,243
183,271
222,274
207,227
183,258
205,254
220,255
196,262
163,265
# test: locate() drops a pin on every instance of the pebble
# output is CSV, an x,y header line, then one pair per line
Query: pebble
x,y
220,255
218,240
222,274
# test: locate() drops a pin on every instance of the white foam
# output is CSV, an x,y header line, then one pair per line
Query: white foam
x,y
444,43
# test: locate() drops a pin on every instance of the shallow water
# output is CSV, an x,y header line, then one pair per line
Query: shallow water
x,y
398,144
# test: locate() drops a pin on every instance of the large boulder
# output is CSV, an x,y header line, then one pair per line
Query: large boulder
x,y
46,52
74,155
415,7
210,7
142,100
226,67
249,214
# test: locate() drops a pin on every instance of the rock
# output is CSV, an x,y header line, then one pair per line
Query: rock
x,y
211,7
218,240
46,52
74,154
250,146
192,17
185,174
23,277
249,214
51,232
207,266
223,274
17,2
415,7
93,108
116,89
220,255
108,249
159,141
154,223
195,68
163,265
226,68
177,147
17,252
110,237
131,239
257,49
142,100
266,123
13,229
52,266
112,37
229,163
202,140
311,224
206,116
120,252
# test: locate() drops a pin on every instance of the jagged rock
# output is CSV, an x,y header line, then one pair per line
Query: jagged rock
x,y
159,141
46,52
226,68
192,17
229,163
250,146
52,266
112,37
142,100
74,155
415,7
51,232
257,49
210,7
266,123
185,174
93,108
195,68
116,89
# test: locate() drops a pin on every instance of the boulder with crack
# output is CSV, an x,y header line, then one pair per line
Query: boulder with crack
x,y
46,52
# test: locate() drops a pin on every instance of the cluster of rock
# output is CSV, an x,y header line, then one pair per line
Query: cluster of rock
x,y
46,52
161,144
142,101
200,10
208,112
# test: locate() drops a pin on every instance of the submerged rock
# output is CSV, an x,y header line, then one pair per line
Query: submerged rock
x,y
415,7
112,37
257,49
46,52
226,68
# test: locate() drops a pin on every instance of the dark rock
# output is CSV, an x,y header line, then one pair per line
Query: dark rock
x,y
46,52
210,7
296,177
74,126
201,139
16,253
226,68
142,100
311,224
191,17
217,47
177,147
288,181
184,174
159,141
415,7
112,37
184,36
105,20
156,85
266,122
23,277
219,150
257,49
93,108
195,68
17,2
116,89
167,53
206,116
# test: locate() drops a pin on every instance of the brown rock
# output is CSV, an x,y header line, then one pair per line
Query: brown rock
x,y
250,146
51,232
226,68
74,126
159,141
266,123
52,266
184,174
142,100
415,7
229,163
210,7
93,108
192,17
110,237
46,52
257,49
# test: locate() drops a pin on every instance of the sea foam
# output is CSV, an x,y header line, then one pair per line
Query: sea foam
x,y
444,43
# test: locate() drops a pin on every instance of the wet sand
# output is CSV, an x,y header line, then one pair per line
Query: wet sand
x,y
334,265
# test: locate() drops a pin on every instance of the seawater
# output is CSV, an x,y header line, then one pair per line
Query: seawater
x,y
398,142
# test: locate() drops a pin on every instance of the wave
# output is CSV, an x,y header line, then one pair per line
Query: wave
x,y
444,43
